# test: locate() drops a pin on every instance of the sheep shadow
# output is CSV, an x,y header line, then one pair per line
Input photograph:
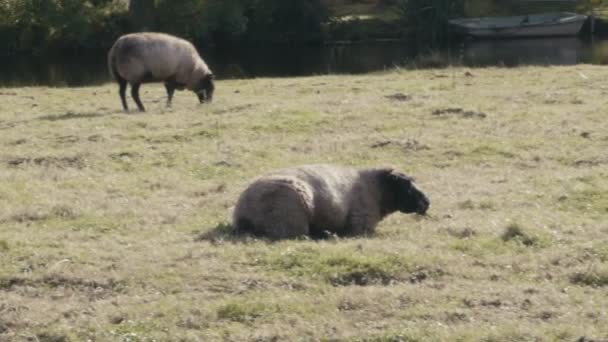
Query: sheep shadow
x,y
224,232
70,116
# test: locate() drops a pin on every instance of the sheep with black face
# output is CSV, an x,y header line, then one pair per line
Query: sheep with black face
x,y
312,200
157,57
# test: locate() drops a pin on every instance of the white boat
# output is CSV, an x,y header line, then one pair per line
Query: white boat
x,y
533,25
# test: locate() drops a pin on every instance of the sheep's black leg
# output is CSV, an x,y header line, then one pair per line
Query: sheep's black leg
x,y
318,233
122,90
170,90
135,95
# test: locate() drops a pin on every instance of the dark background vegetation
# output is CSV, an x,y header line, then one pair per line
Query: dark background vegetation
x,y
42,26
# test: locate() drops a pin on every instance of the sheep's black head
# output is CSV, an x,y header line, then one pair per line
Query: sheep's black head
x,y
406,197
205,87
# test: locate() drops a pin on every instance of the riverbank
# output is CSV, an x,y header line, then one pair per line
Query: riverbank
x,y
297,61
114,226
45,36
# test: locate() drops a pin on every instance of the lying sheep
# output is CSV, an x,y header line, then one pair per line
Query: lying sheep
x,y
316,199
157,57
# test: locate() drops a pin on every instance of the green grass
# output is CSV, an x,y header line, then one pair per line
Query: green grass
x,y
516,234
116,226
240,311
348,266
594,278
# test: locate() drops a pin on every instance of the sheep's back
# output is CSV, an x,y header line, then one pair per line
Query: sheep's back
x,y
154,55
332,189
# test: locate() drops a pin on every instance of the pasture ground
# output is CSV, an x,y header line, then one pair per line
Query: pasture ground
x,y
114,226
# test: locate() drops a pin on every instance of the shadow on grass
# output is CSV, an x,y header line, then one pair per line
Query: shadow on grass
x,y
224,232
76,162
70,116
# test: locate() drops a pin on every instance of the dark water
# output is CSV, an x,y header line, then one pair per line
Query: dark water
x,y
91,69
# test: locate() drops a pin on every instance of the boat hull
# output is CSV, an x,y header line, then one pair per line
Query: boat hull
x,y
520,26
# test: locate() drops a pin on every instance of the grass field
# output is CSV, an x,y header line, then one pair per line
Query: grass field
x,y
115,227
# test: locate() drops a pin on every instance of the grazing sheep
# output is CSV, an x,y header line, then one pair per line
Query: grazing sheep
x,y
315,199
157,57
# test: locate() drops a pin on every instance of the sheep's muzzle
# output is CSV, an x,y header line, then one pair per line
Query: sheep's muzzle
x,y
423,205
